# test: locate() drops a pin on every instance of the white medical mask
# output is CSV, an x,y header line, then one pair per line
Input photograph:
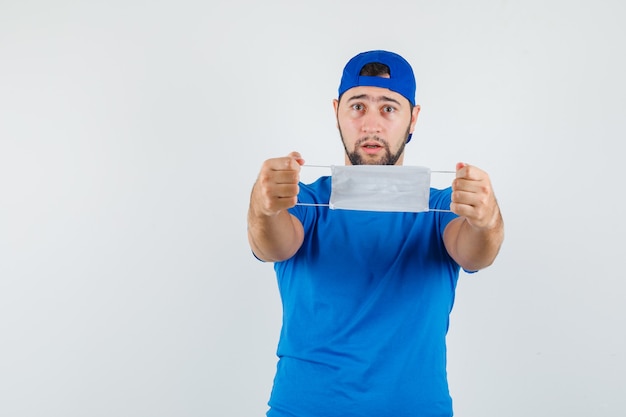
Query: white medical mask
x,y
389,188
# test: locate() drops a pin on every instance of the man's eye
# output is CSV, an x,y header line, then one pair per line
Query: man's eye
x,y
388,109
357,107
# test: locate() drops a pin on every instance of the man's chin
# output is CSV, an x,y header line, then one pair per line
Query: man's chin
x,y
357,158
378,161
364,158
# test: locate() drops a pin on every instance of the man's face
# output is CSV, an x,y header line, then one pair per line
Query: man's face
x,y
374,124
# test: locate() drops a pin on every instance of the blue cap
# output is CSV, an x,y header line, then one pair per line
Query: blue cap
x,y
401,78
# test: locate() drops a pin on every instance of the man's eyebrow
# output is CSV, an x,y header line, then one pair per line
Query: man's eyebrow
x,y
370,98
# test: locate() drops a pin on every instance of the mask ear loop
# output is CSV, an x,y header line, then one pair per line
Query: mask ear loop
x,y
328,205
314,204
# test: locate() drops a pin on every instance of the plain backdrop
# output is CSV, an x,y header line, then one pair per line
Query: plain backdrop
x,y
131,133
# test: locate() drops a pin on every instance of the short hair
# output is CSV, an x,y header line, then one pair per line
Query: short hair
x,y
375,69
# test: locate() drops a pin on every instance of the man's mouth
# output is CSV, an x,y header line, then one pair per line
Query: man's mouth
x,y
372,148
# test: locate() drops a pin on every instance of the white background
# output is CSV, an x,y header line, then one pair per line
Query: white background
x,y
132,131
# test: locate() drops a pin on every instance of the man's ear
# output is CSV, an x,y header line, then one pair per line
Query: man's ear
x,y
414,114
336,107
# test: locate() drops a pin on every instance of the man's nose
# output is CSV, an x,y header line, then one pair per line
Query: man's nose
x,y
371,123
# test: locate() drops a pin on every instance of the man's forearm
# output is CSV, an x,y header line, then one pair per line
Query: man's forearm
x,y
474,248
274,238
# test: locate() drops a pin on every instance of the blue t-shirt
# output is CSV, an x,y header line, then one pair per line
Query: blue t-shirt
x,y
366,305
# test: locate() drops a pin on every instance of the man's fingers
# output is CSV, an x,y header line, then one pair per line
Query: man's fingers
x,y
285,190
275,197
277,185
472,186
469,172
472,196
285,163
286,177
297,157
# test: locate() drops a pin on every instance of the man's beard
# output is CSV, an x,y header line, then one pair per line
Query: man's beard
x,y
387,158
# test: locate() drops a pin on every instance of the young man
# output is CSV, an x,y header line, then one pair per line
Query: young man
x,y
367,295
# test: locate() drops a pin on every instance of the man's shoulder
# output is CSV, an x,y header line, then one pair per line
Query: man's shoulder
x,y
319,187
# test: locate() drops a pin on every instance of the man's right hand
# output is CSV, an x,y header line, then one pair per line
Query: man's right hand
x,y
273,232
276,188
